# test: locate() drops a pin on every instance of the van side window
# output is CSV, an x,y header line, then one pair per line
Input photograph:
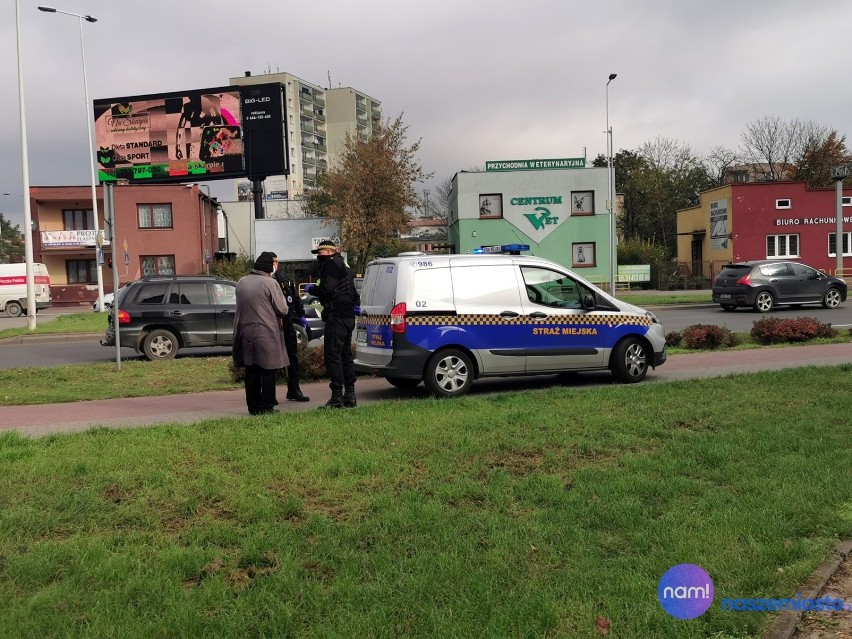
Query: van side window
x,y
549,288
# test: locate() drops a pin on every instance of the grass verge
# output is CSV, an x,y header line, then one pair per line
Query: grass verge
x,y
52,324
546,513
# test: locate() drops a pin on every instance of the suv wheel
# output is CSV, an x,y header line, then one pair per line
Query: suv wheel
x,y
160,344
448,373
764,302
831,299
629,361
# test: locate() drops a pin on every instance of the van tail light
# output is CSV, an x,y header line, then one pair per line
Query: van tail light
x,y
397,323
745,280
123,317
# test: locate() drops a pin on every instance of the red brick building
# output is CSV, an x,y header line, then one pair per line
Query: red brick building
x,y
161,229
765,220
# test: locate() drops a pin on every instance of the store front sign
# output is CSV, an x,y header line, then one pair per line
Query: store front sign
x,y
535,165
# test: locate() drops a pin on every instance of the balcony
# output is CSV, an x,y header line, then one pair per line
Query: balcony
x,y
307,127
376,112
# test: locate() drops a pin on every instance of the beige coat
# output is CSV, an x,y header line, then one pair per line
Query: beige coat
x,y
258,339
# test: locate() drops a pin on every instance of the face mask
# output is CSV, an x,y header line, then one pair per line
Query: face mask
x,y
323,258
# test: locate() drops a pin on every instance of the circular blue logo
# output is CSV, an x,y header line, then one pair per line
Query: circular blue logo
x,y
685,591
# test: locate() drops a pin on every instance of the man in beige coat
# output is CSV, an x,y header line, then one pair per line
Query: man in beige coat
x,y
258,341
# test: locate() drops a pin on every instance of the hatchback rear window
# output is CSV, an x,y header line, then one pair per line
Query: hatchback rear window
x,y
735,270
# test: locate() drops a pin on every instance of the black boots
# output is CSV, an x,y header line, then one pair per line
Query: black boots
x,y
349,396
294,393
336,400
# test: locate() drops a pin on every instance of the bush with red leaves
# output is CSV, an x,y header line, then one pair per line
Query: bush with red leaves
x,y
774,330
708,337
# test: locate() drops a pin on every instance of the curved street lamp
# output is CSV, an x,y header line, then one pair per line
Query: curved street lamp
x,y
611,194
98,241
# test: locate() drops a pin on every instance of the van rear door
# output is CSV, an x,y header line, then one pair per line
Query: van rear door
x,y
373,338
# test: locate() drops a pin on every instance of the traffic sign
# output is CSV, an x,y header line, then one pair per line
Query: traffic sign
x,y
840,172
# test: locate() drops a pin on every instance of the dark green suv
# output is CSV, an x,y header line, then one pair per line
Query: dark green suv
x,y
157,316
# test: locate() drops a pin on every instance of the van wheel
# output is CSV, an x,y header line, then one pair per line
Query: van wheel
x,y
403,382
629,361
13,309
160,345
448,373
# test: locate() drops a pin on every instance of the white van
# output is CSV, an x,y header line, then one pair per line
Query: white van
x,y
13,288
449,319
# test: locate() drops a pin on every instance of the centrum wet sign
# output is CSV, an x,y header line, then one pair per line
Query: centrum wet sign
x,y
535,165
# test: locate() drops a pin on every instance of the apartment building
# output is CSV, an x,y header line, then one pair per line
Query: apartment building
x,y
318,121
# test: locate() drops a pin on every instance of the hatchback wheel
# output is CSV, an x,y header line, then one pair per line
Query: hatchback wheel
x,y
449,373
764,302
831,299
629,361
160,344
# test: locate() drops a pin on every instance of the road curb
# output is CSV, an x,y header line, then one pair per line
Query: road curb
x,y
51,337
785,623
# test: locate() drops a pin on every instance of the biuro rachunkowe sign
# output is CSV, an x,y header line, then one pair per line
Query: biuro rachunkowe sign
x,y
535,165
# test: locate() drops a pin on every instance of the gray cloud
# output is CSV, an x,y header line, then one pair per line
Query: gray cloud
x,y
475,80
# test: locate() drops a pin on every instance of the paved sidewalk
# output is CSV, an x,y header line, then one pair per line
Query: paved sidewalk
x,y
37,420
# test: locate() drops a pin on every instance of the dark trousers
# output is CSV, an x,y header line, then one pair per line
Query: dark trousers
x,y
339,363
292,346
260,389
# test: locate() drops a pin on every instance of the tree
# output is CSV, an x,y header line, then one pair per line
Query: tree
x,y
818,157
369,189
11,242
718,162
771,146
671,178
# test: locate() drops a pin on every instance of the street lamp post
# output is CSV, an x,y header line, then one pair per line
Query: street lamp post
x,y
613,238
25,164
98,241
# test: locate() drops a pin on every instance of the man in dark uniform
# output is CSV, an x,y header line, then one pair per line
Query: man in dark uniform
x,y
295,315
335,289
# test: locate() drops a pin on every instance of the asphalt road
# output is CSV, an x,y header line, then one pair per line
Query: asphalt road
x,y
88,349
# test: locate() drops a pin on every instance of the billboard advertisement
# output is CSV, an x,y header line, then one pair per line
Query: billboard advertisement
x,y
182,136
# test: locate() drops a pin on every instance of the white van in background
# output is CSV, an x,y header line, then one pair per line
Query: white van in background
x,y
446,320
13,288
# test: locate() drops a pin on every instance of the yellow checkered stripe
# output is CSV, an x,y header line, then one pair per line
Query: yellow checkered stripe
x,y
484,319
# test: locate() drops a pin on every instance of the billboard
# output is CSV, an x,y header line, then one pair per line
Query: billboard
x,y
194,135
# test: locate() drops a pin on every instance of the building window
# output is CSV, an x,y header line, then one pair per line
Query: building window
x,y
782,204
846,200
583,254
158,265
847,244
81,271
782,246
582,202
155,216
78,220
491,206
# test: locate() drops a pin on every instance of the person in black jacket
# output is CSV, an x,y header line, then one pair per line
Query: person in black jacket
x,y
335,289
296,315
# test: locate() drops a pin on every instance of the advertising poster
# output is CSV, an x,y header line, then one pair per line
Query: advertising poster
x,y
719,225
172,137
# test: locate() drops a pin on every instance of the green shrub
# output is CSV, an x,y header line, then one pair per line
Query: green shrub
x,y
774,330
232,269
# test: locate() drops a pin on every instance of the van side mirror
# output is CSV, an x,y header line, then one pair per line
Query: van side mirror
x,y
588,301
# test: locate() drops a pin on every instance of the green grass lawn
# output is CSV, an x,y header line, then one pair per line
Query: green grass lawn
x,y
519,515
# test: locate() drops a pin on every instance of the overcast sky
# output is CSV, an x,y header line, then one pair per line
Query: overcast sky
x,y
477,80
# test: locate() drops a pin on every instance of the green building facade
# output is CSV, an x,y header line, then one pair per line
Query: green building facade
x,y
558,210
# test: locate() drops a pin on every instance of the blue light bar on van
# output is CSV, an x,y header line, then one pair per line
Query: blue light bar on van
x,y
511,248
